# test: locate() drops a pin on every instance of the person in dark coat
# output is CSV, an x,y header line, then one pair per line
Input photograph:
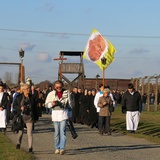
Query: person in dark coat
x,y
40,102
9,101
24,104
75,105
118,97
34,94
83,100
132,106
4,98
144,100
158,97
45,94
93,116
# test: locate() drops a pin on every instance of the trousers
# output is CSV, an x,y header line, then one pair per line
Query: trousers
x,y
132,120
60,134
29,135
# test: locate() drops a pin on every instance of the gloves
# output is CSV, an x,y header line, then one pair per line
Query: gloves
x,y
123,109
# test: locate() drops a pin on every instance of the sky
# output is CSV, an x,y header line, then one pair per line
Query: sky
x,y
43,28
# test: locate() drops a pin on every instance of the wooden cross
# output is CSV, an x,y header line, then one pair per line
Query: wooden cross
x,y
60,66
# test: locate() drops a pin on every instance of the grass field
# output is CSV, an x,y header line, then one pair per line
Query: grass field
x,y
149,126
8,150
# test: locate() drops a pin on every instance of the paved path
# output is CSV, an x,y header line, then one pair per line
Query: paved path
x,y
89,145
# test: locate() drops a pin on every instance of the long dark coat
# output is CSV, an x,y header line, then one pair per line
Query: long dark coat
x,y
83,100
6,103
93,116
17,106
75,104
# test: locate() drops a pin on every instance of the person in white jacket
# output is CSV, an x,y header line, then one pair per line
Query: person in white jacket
x,y
97,96
96,99
59,101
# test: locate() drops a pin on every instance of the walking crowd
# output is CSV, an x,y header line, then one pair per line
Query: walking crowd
x,y
22,107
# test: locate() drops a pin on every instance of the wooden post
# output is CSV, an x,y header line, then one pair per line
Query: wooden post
x,y
22,73
143,84
103,61
148,93
103,76
156,93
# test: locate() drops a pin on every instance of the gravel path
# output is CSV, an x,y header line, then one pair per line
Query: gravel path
x,y
89,145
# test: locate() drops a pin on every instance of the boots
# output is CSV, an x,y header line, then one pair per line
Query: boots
x,y
18,146
31,150
72,129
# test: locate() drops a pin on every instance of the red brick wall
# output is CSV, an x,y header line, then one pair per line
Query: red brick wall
x,y
120,84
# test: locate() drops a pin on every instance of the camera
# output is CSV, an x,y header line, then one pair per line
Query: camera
x,y
27,109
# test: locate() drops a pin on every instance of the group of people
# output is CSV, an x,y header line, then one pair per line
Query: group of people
x,y
90,107
83,110
79,107
22,106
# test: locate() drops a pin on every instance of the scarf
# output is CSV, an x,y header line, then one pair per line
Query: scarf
x,y
59,94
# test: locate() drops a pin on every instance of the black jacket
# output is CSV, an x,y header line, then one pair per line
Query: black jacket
x,y
5,100
131,102
17,105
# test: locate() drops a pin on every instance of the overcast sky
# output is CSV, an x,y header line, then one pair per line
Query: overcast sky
x,y
43,28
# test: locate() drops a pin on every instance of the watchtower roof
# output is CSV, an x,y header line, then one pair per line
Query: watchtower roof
x,y
71,53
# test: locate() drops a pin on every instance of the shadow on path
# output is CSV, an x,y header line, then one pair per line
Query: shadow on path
x,y
111,149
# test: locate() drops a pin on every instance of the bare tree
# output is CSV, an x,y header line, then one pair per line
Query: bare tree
x,y
8,78
16,78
